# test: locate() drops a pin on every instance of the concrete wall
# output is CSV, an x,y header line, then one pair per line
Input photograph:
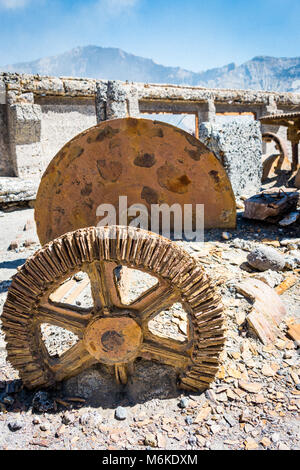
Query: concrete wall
x,y
61,120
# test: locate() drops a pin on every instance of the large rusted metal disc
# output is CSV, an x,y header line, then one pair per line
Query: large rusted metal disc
x,y
110,331
150,162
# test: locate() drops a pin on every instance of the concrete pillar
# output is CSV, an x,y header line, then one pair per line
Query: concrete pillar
x,y
101,101
206,113
117,103
24,126
133,103
116,100
2,92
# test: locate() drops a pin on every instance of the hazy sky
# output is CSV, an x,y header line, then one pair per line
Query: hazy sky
x,y
193,34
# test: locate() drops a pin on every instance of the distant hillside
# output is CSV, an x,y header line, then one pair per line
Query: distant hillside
x,y
260,73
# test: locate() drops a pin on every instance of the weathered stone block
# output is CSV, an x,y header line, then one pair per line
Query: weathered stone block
x,y
80,87
17,190
25,123
238,145
2,92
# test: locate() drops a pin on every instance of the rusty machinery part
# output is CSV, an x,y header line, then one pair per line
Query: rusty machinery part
x,y
150,162
276,163
292,122
110,332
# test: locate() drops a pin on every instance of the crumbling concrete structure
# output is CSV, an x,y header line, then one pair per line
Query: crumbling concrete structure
x,y
238,147
38,115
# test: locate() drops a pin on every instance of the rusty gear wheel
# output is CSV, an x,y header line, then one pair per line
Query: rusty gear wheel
x,y
110,332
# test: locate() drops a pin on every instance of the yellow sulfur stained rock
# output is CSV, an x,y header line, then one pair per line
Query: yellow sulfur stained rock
x,y
265,442
251,444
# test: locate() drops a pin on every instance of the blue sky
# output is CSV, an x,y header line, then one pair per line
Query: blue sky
x,y
193,34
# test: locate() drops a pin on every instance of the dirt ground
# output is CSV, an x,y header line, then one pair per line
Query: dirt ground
x,y
91,412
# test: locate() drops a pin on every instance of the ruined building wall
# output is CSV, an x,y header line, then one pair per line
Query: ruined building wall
x,y
38,115
238,146
61,120
5,164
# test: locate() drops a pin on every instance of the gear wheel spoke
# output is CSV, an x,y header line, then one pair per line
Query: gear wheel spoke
x,y
104,292
72,362
152,303
75,320
169,353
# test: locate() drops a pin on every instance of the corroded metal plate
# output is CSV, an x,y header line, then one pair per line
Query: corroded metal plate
x,y
150,162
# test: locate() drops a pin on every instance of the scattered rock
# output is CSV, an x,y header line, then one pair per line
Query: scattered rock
x,y
150,440
192,440
68,418
266,257
189,420
271,278
251,444
79,276
230,420
90,419
283,446
14,245
275,437
120,413
45,426
29,242
251,387
226,235
268,371
265,442
15,425
184,402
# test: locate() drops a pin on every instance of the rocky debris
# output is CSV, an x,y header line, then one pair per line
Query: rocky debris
x,y
267,312
294,332
79,276
290,242
264,258
293,259
150,440
256,392
15,425
290,219
184,402
120,413
286,284
269,277
16,190
238,146
42,402
226,235
14,245
68,418
29,242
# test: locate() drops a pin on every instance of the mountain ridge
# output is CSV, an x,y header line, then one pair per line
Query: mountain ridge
x,y
260,73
